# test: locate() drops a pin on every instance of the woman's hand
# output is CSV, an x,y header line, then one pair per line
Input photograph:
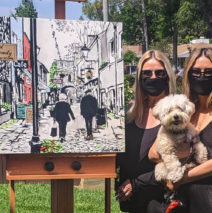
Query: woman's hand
x,y
172,186
124,192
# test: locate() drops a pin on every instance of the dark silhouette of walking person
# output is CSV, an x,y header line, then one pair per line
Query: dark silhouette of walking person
x,y
88,107
61,114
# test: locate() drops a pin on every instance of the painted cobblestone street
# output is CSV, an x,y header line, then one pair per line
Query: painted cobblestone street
x,y
73,62
15,138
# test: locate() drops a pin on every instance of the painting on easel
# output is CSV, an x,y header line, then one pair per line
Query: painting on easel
x,y
61,86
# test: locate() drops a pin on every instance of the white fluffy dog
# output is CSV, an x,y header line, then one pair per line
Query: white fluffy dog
x,y
174,113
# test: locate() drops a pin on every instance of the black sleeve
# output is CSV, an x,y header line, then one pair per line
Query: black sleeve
x,y
95,105
55,111
145,181
82,107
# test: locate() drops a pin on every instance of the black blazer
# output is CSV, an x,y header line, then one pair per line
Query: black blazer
x,y
88,106
62,110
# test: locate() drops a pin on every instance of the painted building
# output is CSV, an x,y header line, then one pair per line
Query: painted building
x,y
27,80
5,69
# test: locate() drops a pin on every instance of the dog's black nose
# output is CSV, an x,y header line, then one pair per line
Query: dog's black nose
x,y
176,117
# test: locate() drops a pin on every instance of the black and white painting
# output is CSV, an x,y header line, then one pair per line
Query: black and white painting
x,y
65,91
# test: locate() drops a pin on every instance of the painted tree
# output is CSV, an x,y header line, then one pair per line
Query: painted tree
x,y
26,9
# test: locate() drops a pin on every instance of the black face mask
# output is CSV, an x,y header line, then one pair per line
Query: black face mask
x,y
201,85
154,86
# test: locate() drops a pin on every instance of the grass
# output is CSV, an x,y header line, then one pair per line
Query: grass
x,y
35,198
111,115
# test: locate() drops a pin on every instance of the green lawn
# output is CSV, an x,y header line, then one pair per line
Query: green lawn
x,y
35,198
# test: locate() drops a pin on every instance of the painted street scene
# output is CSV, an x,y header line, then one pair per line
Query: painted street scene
x,y
61,86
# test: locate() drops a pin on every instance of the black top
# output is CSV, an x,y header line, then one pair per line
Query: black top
x,y
197,196
200,192
135,165
62,110
135,159
206,138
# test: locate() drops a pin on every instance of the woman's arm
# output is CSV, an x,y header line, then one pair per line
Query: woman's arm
x,y
143,183
202,171
199,172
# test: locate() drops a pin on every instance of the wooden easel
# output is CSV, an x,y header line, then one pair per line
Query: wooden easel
x,y
61,169
66,168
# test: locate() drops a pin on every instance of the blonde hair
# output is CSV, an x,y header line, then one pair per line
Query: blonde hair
x,y
196,53
137,108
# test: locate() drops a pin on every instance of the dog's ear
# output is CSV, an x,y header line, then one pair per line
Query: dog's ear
x,y
156,111
190,108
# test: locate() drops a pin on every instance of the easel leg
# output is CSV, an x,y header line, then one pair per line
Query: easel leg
x,y
60,9
12,196
107,195
62,196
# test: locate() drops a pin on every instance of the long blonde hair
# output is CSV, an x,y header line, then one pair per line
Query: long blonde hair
x,y
196,53
137,108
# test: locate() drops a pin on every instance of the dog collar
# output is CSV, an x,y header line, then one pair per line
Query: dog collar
x,y
177,132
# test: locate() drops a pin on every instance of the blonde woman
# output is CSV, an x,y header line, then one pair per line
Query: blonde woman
x,y
154,80
197,86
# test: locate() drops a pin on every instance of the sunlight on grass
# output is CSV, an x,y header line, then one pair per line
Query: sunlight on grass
x,y
35,198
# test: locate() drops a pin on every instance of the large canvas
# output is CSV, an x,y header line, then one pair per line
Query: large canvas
x,y
61,86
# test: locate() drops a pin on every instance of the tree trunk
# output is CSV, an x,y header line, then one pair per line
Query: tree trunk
x,y
105,10
145,35
175,41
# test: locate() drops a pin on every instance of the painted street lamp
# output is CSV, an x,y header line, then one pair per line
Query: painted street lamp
x,y
85,51
35,142
61,77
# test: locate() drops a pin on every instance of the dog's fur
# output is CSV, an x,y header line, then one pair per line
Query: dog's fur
x,y
174,113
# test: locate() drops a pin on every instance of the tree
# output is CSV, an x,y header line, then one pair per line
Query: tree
x,y
94,10
26,9
132,22
130,58
190,21
144,22
170,28
128,91
205,7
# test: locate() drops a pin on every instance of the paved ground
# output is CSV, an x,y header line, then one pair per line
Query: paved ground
x,y
16,137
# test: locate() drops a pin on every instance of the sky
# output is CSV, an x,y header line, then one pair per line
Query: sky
x,y
45,8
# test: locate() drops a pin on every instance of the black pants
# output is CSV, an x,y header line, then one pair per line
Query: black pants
x,y
62,128
88,123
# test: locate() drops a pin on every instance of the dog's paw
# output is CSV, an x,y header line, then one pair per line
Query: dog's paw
x,y
160,172
201,153
176,174
189,166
